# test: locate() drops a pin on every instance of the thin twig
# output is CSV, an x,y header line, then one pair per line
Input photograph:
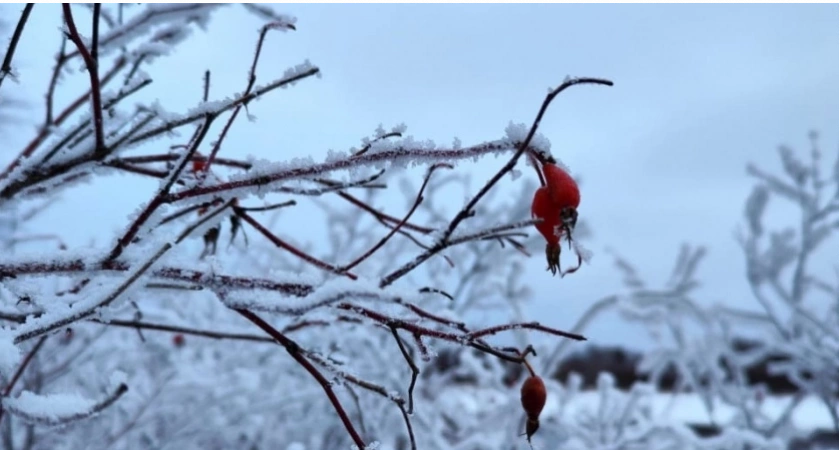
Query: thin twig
x,y
252,79
417,201
289,248
61,419
186,330
21,368
295,352
415,371
93,72
6,67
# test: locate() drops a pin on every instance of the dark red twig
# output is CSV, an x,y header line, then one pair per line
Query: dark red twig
x,y
211,334
295,352
93,72
206,95
188,330
536,165
60,59
396,154
289,248
452,337
395,229
415,371
252,78
147,159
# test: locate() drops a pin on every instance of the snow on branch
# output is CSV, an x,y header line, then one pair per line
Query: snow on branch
x,y
59,409
318,307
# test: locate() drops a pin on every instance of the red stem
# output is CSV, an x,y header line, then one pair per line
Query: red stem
x,y
252,78
93,72
536,165
295,352
402,222
44,132
285,246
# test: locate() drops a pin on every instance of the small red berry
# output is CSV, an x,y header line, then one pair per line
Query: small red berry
x,y
556,204
198,165
533,396
178,340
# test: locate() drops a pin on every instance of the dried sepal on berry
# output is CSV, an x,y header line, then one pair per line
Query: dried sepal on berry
x,y
552,257
211,238
531,427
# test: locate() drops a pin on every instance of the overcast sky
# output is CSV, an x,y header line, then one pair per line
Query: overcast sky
x,y
700,91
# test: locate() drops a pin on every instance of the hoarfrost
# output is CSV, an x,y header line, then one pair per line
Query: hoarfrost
x,y
517,133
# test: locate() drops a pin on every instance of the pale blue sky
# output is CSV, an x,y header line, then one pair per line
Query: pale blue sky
x,y
700,91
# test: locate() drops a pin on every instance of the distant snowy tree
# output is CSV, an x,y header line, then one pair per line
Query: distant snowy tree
x,y
794,323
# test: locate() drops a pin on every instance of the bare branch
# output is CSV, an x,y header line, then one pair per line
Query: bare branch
x,y
6,67
294,351
93,72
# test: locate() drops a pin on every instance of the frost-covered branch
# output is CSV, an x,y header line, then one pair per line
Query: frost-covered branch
x,y
152,297
469,209
59,409
10,384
